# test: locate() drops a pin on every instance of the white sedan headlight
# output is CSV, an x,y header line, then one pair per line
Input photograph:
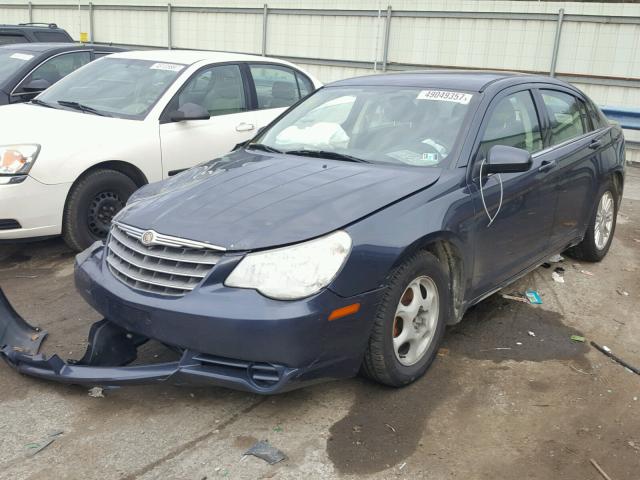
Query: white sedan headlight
x,y
293,272
17,159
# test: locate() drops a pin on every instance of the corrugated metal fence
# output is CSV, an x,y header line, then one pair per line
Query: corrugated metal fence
x,y
593,45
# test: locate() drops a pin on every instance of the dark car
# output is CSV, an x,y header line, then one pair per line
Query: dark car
x,y
345,236
26,69
33,32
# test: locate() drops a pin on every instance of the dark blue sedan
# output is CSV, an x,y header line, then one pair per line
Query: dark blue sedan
x,y
346,235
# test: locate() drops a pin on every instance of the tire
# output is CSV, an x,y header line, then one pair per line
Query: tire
x,y
592,249
92,202
384,363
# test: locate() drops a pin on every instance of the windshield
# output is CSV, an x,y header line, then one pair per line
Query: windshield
x,y
379,124
116,87
11,61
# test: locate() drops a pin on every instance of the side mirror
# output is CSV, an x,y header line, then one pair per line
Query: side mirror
x,y
504,159
36,85
190,111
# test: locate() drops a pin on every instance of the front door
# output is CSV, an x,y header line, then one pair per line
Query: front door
x,y
513,221
222,91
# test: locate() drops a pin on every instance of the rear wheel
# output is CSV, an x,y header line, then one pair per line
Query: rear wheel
x,y
410,322
92,203
599,234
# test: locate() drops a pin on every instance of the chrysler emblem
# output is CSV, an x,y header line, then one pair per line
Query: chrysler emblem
x,y
148,237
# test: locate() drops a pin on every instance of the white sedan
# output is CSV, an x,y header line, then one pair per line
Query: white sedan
x,y
70,159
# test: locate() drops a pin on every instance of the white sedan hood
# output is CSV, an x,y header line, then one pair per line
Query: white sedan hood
x,y
72,141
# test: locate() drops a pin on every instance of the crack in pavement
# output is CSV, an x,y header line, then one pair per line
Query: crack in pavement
x,y
192,443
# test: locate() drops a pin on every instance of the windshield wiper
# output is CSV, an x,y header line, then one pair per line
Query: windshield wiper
x,y
263,147
327,154
83,108
35,101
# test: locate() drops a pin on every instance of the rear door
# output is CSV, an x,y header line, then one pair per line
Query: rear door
x,y
523,208
222,90
577,146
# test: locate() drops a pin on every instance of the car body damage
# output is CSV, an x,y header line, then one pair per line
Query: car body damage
x,y
110,351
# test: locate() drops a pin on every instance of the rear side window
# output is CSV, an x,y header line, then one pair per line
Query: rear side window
x,y
514,123
597,119
58,67
6,39
46,36
276,86
304,84
567,115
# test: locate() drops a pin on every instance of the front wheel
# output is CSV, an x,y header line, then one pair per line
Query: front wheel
x,y
599,234
409,323
92,203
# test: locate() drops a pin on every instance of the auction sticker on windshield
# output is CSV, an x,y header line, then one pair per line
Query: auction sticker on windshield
x,y
445,96
171,67
22,56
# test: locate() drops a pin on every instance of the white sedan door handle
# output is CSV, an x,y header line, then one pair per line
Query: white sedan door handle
x,y
245,127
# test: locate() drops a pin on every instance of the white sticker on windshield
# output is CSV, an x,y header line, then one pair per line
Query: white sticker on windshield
x,y
170,67
445,96
22,56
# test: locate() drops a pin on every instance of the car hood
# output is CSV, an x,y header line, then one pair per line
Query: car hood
x,y
247,200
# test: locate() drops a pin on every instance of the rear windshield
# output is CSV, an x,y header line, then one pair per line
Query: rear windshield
x,y
11,61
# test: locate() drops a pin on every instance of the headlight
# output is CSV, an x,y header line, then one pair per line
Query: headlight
x,y
294,272
17,159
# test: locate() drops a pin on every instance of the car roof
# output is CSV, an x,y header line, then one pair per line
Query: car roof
x,y
190,57
469,80
42,47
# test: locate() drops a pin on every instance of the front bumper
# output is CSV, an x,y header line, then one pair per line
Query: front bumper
x,y
37,208
228,337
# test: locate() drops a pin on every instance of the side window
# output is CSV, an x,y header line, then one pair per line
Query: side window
x,y
98,55
7,38
596,117
276,86
304,84
219,89
58,67
514,123
52,36
567,115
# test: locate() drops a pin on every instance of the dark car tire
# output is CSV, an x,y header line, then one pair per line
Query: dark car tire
x,y
588,250
92,202
381,363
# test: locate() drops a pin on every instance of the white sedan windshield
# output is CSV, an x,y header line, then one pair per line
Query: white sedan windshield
x,y
407,125
116,87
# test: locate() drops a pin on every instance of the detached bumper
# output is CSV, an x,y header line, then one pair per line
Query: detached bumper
x,y
277,347
111,348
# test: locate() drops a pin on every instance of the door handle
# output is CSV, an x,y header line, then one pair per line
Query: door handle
x,y
597,143
547,165
245,127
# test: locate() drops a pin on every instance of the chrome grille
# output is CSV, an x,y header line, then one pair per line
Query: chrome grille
x,y
169,266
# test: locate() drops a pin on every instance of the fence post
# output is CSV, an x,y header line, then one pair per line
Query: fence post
x,y
556,43
169,27
91,34
265,14
30,7
387,29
